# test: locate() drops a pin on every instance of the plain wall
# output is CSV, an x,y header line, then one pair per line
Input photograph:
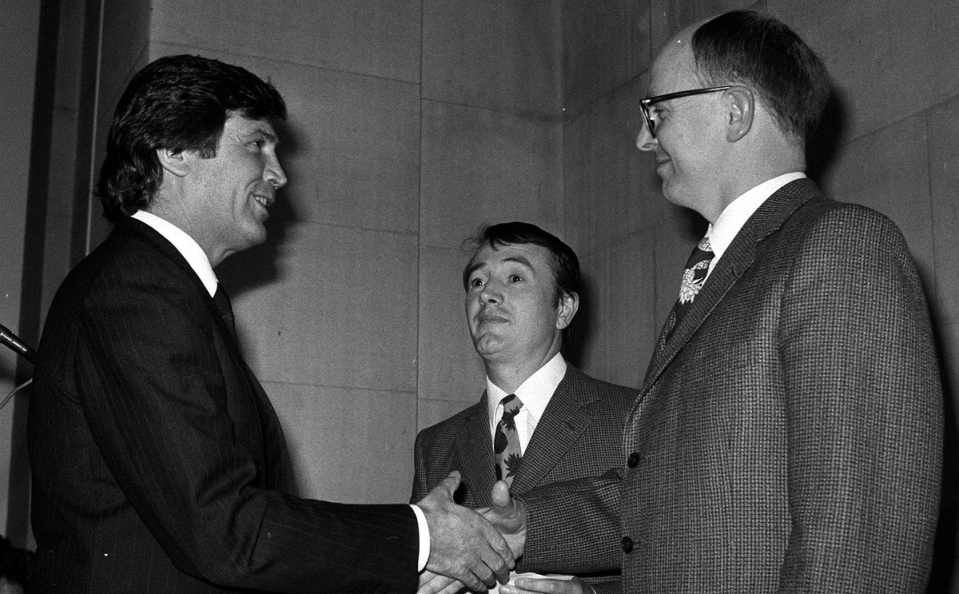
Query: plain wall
x,y
411,123
18,58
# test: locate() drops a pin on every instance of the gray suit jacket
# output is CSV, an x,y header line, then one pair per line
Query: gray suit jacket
x,y
788,437
579,435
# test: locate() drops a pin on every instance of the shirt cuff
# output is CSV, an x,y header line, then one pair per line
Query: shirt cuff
x,y
424,538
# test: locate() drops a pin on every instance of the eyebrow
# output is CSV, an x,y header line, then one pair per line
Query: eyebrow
x,y
518,259
270,136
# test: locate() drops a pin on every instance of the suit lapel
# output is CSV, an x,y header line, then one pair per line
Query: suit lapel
x,y
474,449
278,466
739,256
141,231
561,425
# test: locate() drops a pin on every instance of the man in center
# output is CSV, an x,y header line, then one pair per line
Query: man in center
x,y
540,420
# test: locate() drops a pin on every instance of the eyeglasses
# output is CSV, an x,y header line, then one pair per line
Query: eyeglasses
x,y
645,103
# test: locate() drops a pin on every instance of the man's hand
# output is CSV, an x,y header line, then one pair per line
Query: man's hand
x,y
508,516
463,545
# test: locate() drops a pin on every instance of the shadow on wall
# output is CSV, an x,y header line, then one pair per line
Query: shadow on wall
x,y
821,154
944,557
824,144
580,335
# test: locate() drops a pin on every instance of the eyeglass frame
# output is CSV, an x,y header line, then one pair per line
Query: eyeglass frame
x,y
645,103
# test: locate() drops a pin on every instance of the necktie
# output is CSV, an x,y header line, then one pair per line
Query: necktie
x,y
693,277
506,444
226,309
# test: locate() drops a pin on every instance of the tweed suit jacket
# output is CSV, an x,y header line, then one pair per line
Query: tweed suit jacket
x,y
579,435
788,436
158,462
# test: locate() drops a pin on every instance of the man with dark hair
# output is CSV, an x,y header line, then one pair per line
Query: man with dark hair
x,y
522,290
158,462
788,433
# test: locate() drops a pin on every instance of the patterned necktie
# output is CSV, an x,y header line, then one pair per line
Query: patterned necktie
x,y
693,278
226,309
506,444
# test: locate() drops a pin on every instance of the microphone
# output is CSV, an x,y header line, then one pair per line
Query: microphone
x,y
13,341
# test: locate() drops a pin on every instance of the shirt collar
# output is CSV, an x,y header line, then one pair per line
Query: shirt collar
x,y
535,392
735,215
186,245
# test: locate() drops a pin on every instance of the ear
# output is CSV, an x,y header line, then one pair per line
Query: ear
x,y
567,308
742,110
177,163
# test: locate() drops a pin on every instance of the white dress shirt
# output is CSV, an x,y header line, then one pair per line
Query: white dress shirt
x,y
196,258
535,393
734,216
186,245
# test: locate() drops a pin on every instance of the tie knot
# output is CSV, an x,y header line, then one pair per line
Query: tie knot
x,y
704,245
511,403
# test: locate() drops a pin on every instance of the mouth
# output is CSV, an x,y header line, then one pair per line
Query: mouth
x,y
661,165
490,319
266,200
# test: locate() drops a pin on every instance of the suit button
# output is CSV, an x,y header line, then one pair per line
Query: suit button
x,y
633,460
627,544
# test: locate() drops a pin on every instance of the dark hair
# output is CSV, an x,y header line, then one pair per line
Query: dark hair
x,y
759,51
564,263
178,103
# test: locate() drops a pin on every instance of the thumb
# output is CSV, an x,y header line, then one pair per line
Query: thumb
x,y
451,483
502,501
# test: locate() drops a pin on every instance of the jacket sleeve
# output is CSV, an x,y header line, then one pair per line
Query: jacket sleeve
x,y
420,472
172,414
574,526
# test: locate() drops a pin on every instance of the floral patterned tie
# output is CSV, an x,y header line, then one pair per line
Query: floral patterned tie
x,y
506,444
693,278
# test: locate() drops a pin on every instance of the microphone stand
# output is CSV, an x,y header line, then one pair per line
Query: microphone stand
x,y
13,341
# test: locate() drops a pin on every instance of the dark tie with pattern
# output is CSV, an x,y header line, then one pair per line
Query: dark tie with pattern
x,y
693,278
506,444
226,309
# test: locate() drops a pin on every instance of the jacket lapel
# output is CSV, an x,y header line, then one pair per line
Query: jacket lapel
x,y
474,449
278,465
739,256
561,425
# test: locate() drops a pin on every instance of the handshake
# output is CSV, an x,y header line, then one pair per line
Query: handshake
x,y
470,548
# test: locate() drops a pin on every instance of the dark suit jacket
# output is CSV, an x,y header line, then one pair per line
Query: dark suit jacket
x,y
158,462
788,436
579,435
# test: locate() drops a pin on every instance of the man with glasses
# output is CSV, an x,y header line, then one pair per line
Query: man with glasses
x,y
788,433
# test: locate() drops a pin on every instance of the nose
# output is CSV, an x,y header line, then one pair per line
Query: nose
x,y
490,295
273,173
646,141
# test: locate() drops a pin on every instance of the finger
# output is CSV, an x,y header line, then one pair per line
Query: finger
x,y
538,585
498,568
427,577
499,544
485,575
499,557
438,584
474,583
454,588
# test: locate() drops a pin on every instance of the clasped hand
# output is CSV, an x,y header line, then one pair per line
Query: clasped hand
x,y
470,548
